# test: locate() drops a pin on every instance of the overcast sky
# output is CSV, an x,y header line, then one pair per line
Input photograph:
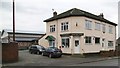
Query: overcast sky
x,y
31,13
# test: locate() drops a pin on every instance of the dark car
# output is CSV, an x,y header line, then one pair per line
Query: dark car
x,y
36,49
52,52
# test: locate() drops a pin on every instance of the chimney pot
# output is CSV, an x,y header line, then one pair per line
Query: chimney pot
x,y
55,13
101,15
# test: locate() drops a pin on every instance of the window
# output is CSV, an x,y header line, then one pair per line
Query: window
x,y
64,26
110,29
52,28
110,43
76,43
88,39
97,26
97,40
65,42
103,28
88,24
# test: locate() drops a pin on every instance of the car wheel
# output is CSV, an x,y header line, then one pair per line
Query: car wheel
x,y
38,52
60,56
30,52
42,54
50,55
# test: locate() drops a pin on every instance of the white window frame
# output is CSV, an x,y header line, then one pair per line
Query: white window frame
x,y
97,26
89,39
110,43
64,26
65,38
103,28
52,28
88,24
97,38
110,29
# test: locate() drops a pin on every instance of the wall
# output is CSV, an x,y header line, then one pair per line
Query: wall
x,y
81,29
9,52
43,41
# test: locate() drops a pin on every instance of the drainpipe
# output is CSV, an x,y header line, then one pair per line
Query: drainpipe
x,y
57,34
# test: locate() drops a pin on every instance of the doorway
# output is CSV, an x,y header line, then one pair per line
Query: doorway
x,y
77,46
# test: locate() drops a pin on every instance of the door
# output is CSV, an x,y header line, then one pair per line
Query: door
x,y
77,46
103,43
52,43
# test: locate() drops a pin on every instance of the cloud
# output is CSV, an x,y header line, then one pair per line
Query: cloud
x,y
31,13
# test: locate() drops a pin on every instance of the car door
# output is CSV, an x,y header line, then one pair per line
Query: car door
x,y
34,48
47,51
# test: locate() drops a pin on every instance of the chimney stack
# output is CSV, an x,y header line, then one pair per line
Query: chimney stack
x,y
54,14
101,15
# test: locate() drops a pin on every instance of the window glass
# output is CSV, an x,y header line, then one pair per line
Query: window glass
x,y
103,28
88,39
97,40
65,42
76,43
64,26
97,26
110,29
88,24
110,43
52,28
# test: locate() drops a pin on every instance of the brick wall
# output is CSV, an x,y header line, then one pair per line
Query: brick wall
x,y
9,52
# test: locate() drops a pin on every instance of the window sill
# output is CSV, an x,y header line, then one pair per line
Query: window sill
x,y
64,30
110,33
97,43
110,46
97,30
51,32
88,43
88,29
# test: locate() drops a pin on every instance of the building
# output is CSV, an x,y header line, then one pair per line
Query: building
x,y
118,42
23,39
76,32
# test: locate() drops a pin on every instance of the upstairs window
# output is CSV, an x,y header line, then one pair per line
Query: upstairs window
x,y
110,29
88,24
103,28
64,26
52,28
97,26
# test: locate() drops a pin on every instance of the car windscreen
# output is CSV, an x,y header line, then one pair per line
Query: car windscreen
x,y
41,47
55,49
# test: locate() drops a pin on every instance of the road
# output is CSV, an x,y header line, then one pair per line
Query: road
x,y
27,59
112,62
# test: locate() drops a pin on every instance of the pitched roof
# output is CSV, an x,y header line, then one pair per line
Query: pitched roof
x,y
21,32
78,12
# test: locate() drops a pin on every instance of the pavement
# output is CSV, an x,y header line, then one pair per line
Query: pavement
x,y
26,59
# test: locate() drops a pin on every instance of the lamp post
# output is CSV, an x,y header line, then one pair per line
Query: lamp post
x,y
13,20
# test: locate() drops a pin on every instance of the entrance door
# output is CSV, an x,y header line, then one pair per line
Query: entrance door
x,y
52,43
103,43
77,46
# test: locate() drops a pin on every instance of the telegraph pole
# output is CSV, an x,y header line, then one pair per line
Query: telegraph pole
x,y
13,20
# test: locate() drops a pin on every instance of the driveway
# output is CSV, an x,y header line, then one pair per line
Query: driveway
x,y
27,59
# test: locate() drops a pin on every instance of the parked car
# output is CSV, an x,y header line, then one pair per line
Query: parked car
x,y
36,49
52,52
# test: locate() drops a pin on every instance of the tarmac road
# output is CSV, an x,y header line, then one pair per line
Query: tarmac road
x,y
27,59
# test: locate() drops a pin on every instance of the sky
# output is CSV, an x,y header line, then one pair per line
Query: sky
x,y
31,13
